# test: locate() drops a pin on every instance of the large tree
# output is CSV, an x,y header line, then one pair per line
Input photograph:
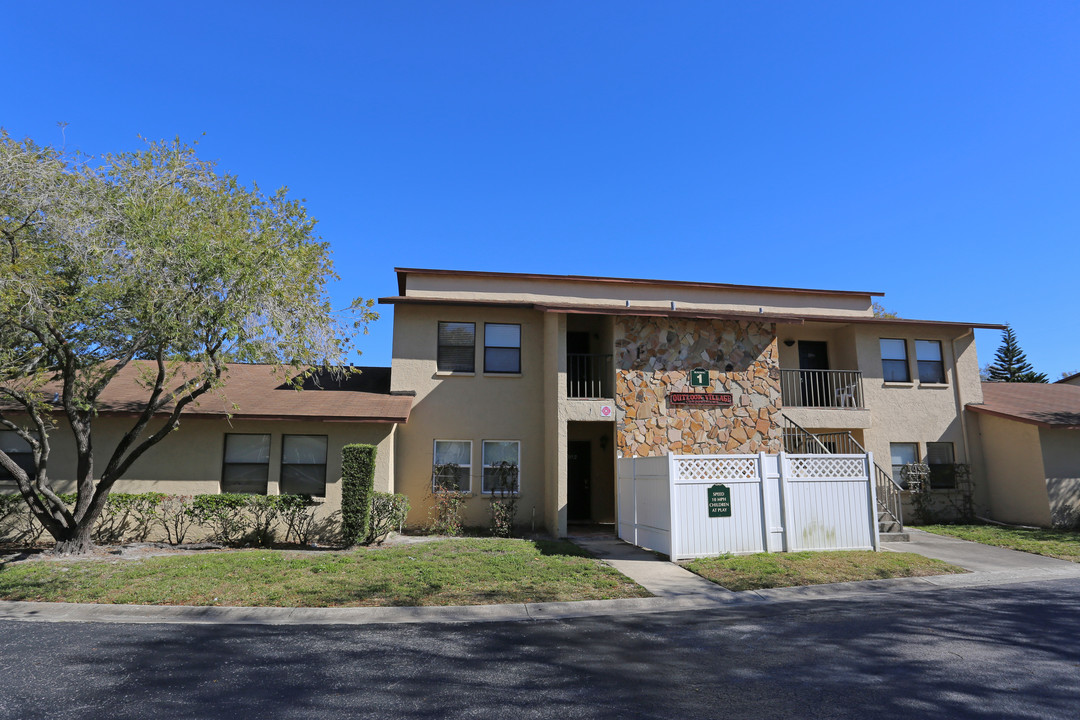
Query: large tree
x,y
1010,363
153,258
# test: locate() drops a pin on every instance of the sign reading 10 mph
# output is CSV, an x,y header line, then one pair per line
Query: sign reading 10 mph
x,y
719,501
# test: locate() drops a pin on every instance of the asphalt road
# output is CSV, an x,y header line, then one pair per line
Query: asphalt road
x,y
1006,652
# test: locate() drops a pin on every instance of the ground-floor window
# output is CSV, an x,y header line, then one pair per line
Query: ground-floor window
x,y
452,466
942,462
502,460
19,451
303,465
903,454
246,467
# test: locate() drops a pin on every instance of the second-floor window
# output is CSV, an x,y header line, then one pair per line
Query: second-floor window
x,y
928,357
457,347
502,348
894,364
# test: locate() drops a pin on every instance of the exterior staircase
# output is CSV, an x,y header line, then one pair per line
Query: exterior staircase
x,y
890,513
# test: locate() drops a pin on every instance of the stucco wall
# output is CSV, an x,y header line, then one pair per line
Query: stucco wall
x,y
189,461
654,356
653,294
468,406
1061,464
1015,480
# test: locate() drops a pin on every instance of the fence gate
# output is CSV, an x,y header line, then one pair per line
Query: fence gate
x,y
699,505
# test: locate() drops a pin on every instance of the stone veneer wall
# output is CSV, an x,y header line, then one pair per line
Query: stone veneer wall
x,y
654,356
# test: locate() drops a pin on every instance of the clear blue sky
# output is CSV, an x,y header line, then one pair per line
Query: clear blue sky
x,y
927,150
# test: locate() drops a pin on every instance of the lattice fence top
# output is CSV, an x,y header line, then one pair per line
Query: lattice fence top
x,y
713,468
827,466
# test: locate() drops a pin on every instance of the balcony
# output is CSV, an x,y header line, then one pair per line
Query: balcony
x,y
821,388
589,376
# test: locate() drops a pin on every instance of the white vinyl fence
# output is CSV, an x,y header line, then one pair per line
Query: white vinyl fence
x,y
777,503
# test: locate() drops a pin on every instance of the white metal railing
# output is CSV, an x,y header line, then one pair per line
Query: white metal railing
x,y
821,388
589,375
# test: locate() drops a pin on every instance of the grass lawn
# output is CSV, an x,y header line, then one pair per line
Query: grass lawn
x,y
446,572
1063,544
773,570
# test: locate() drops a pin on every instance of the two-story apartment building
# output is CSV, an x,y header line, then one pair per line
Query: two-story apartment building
x,y
563,375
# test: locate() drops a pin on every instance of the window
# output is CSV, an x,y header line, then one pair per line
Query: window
x,y
18,450
502,348
457,347
497,452
452,465
939,456
894,365
902,454
247,464
303,465
928,358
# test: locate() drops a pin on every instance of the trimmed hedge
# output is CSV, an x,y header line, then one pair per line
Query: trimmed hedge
x,y
357,487
229,518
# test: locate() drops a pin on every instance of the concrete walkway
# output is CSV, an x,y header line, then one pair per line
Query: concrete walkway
x,y
675,589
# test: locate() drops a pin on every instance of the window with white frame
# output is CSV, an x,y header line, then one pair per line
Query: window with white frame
x,y
502,466
902,454
303,465
457,347
894,364
452,466
246,466
928,358
19,451
942,463
502,348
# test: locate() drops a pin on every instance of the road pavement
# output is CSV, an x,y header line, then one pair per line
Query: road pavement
x,y
1010,651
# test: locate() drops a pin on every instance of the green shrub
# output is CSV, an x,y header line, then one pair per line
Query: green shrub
x,y
298,514
175,517
262,513
127,516
447,499
357,486
388,512
504,499
223,515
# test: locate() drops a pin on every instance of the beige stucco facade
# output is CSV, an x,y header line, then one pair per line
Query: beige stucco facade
x,y
654,333
1032,472
189,461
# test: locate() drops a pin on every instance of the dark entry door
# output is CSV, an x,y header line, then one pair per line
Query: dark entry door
x,y
814,355
578,480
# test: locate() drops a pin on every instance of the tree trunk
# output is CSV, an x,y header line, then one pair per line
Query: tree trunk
x,y
77,541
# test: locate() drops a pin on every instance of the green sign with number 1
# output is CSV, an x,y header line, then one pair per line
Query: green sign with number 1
x,y
699,377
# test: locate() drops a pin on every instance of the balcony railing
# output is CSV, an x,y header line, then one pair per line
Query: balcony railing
x,y
821,388
589,376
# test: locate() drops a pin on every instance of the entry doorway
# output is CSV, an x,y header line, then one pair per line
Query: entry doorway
x,y
578,481
813,356
590,474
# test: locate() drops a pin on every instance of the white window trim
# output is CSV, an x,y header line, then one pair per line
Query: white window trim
x,y
483,464
467,468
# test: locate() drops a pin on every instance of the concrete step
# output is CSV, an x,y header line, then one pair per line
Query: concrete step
x,y
890,527
894,537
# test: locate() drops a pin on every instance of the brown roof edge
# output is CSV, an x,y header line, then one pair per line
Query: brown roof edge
x,y
898,321
1018,418
402,273
272,418
1066,379
599,309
